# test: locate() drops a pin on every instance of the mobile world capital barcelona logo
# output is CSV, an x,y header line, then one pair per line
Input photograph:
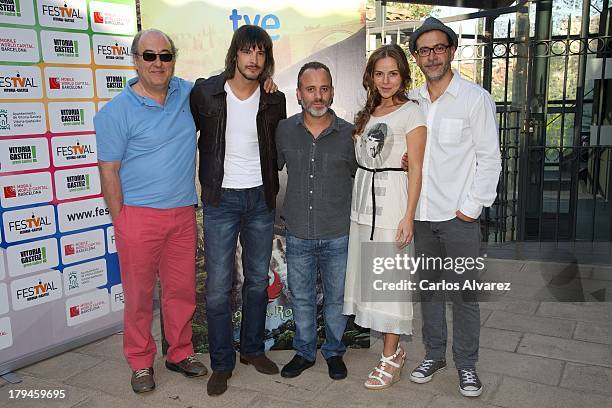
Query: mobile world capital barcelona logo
x,y
22,154
66,48
110,18
24,190
17,83
8,44
81,247
10,192
72,117
67,83
10,8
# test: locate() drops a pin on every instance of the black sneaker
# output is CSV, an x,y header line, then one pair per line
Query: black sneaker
x,y
425,371
469,383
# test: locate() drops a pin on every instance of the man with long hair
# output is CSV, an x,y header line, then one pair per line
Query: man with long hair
x,y
238,173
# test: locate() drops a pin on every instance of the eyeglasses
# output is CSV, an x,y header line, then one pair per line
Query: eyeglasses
x,y
437,49
151,56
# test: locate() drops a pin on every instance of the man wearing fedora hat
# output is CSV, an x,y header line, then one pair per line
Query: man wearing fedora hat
x,y
461,170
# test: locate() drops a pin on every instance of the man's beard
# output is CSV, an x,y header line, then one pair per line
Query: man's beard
x,y
247,75
435,77
317,113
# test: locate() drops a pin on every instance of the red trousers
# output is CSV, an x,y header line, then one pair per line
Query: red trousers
x,y
149,242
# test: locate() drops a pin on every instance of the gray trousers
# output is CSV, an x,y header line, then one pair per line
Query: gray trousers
x,y
449,239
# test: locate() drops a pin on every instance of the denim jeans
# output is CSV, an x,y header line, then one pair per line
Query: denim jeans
x,y
304,258
241,212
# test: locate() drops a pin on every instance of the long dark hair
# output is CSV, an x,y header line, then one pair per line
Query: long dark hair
x,y
374,99
247,37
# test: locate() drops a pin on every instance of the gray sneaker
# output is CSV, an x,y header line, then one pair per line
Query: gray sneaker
x,y
142,380
425,371
469,383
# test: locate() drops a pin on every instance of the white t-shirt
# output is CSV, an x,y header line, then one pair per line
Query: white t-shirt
x,y
381,145
242,167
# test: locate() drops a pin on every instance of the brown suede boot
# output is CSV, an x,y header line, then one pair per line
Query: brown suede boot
x,y
262,363
217,383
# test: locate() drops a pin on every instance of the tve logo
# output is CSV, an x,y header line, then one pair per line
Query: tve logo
x,y
267,22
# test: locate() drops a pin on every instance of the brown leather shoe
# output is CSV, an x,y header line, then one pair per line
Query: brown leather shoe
x,y
262,363
217,383
142,380
190,367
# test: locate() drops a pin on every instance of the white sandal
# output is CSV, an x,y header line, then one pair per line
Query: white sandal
x,y
384,378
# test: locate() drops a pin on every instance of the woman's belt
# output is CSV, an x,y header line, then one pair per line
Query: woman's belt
x,y
381,170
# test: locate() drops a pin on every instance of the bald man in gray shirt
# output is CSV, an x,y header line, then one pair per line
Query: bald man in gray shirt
x,y
318,149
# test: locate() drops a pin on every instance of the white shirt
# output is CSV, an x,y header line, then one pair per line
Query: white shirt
x,y
462,160
381,145
242,167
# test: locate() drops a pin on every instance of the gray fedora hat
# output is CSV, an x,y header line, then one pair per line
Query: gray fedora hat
x,y
430,24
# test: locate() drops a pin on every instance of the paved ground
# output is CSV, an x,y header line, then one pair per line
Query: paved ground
x,y
533,354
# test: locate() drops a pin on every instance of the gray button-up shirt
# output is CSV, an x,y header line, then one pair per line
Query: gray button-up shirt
x,y
320,177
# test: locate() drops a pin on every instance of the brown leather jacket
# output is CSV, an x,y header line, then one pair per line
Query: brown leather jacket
x,y
209,110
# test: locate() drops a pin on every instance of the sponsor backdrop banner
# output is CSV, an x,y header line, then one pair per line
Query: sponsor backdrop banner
x,y
59,273
331,32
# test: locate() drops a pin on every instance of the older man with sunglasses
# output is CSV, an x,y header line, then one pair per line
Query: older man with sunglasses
x,y
146,149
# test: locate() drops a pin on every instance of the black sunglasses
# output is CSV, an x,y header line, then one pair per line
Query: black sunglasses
x,y
151,56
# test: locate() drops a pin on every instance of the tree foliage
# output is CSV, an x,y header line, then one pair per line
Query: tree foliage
x,y
412,11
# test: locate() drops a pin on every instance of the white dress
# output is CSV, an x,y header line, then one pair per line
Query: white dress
x,y
380,146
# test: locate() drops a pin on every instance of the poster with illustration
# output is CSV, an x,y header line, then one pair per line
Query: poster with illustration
x,y
325,31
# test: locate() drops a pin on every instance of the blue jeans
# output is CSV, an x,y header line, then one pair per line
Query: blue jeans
x,y
304,258
241,212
